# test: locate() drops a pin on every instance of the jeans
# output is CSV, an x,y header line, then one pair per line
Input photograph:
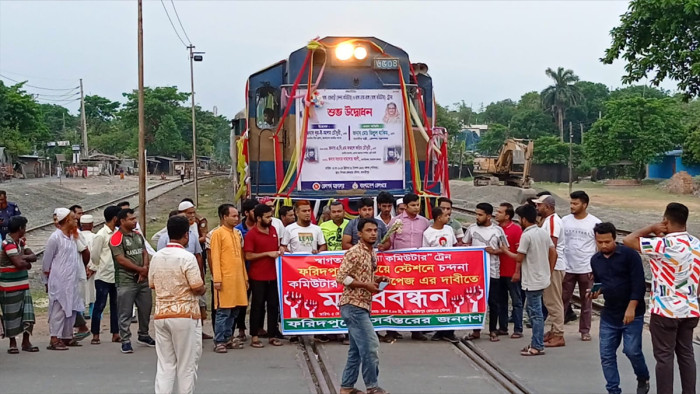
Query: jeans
x,y
102,290
364,347
129,294
669,336
610,337
225,318
264,293
493,304
534,311
506,288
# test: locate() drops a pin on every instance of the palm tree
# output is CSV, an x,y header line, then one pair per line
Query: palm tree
x,y
562,95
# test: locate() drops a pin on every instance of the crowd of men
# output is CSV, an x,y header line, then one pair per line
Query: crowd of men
x,y
533,264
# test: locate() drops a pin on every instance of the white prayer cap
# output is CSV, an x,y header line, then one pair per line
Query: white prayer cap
x,y
61,213
399,201
87,219
185,205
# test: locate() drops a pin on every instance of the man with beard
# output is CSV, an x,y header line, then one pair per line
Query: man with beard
x,y
247,223
580,247
333,229
551,222
261,249
487,235
131,269
60,265
303,236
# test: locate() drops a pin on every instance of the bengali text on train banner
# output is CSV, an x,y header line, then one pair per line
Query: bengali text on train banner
x,y
355,140
430,289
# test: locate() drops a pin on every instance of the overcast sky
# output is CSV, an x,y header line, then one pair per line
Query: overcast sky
x,y
477,51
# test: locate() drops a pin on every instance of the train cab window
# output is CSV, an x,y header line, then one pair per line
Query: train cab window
x,y
267,106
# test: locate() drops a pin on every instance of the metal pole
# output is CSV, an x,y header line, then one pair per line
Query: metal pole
x,y
194,132
571,144
83,121
142,125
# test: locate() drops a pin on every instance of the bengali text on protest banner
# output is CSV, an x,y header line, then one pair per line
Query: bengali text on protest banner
x,y
354,140
430,289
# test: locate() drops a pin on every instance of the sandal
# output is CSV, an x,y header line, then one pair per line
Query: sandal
x,y
493,336
501,332
95,341
257,344
585,337
471,337
13,350
376,390
30,349
275,342
73,343
235,343
242,336
220,348
386,339
79,336
531,351
57,346
516,335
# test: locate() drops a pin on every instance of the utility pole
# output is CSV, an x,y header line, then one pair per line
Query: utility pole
x,y
581,124
142,126
571,144
84,122
194,57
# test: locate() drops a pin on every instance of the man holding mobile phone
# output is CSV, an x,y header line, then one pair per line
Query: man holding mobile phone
x,y
619,271
356,275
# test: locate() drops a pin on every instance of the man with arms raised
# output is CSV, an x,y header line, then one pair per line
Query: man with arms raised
x,y
674,260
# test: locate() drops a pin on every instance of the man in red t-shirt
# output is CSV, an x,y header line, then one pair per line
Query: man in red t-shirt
x,y
504,217
261,248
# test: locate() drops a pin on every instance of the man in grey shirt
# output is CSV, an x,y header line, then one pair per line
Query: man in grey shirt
x,y
535,261
351,235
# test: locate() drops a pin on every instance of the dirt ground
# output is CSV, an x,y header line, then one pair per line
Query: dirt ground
x,y
627,207
37,198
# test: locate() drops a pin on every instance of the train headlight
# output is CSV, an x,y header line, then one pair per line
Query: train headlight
x,y
360,53
344,51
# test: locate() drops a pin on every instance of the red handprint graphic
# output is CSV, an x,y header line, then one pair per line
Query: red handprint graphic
x,y
457,302
293,300
311,305
474,294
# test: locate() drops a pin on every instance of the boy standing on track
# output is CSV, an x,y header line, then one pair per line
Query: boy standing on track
x,y
356,275
620,272
580,247
675,265
534,263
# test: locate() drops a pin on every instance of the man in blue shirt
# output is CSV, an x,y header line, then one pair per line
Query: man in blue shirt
x,y
618,269
7,211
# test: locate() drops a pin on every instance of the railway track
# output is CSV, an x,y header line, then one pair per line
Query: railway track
x,y
325,378
38,235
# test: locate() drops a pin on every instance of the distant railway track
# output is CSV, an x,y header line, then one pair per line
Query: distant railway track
x,y
38,235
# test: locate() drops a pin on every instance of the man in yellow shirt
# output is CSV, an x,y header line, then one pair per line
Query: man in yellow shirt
x,y
230,278
333,229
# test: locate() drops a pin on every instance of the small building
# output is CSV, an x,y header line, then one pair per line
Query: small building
x,y
165,165
29,166
671,163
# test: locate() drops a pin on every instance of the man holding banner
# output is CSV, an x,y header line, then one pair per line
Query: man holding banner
x,y
356,274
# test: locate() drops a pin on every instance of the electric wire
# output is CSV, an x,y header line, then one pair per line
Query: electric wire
x,y
37,87
180,22
172,24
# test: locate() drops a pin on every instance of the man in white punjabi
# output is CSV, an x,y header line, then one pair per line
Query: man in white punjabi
x,y
60,265
175,276
356,274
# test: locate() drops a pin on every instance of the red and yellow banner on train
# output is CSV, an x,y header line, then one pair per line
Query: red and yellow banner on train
x,y
430,289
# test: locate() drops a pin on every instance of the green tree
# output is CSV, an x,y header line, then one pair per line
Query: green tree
x,y
21,125
550,150
562,95
499,112
638,91
691,123
492,140
637,129
59,122
659,40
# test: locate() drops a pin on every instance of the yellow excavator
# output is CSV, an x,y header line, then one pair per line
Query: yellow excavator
x,y
511,166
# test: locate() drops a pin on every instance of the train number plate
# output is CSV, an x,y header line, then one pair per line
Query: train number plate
x,y
386,64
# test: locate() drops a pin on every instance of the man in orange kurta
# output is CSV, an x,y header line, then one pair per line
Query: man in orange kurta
x,y
230,278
